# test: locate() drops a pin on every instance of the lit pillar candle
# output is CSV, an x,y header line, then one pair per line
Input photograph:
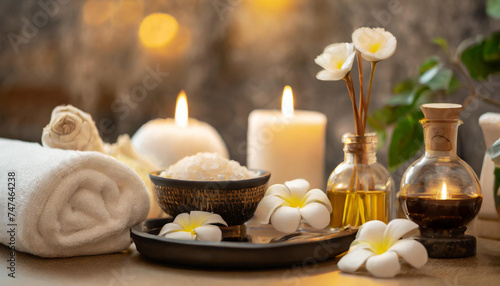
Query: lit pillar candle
x,y
166,141
288,143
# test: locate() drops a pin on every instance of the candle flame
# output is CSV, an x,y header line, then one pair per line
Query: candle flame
x,y
443,194
181,110
287,102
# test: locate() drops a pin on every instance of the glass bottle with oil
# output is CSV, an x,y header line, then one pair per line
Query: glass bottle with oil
x,y
360,189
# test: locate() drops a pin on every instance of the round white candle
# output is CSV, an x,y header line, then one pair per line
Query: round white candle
x,y
290,144
166,141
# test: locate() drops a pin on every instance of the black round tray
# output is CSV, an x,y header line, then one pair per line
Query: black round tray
x,y
308,246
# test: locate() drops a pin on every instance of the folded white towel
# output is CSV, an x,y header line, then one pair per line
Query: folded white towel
x,y
69,203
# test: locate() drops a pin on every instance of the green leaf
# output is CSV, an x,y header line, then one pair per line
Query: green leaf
x,y
493,8
491,49
497,178
404,93
401,99
473,59
425,97
418,92
407,139
405,86
381,138
442,42
454,85
494,152
429,63
408,98
387,115
429,74
442,80
495,190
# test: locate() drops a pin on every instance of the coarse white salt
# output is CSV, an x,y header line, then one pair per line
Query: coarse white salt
x,y
207,167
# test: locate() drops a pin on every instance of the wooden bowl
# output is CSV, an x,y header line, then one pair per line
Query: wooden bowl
x,y
234,201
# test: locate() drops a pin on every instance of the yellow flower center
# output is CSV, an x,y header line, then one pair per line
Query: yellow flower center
x,y
375,47
189,228
295,202
380,248
339,64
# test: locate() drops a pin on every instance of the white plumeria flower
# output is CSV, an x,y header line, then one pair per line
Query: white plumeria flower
x,y
337,60
286,205
196,225
380,246
375,44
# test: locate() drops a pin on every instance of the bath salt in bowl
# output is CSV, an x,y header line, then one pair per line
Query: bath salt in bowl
x,y
205,182
207,167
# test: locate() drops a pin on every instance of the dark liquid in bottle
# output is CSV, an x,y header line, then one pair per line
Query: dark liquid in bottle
x,y
441,214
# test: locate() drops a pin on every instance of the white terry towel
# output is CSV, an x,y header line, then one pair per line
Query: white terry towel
x,y
69,203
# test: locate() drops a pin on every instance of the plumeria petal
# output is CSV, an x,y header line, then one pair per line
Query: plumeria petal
x,y
331,75
385,265
398,228
183,235
375,44
353,260
266,208
316,215
195,225
215,219
278,190
198,217
208,233
323,60
384,242
337,60
286,219
372,231
413,252
201,218
182,219
170,227
318,196
285,205
350,58
298,187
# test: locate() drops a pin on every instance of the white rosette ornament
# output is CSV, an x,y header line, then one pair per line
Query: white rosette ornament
x,y
287,205
71,129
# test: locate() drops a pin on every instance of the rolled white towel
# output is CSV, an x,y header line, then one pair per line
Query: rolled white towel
x,y
69,203
73,129
125,152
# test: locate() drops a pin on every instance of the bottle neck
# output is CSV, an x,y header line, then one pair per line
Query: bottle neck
x,y
360,158
440,135
360,149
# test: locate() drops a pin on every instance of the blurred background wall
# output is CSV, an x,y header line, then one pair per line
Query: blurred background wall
x,y
230,56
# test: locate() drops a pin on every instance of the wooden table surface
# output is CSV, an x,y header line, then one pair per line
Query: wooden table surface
x,y
130,268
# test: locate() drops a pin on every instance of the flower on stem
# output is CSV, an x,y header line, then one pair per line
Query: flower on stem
x,y
378,246
287,204
337,60
196,225
375,44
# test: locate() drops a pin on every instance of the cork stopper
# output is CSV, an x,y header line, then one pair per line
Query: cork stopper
x,y
440,125
441,111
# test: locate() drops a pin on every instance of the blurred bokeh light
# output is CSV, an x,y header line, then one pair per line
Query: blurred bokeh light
x,y
157,30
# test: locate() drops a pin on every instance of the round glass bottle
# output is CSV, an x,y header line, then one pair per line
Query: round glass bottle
x,y
439,191
360,189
